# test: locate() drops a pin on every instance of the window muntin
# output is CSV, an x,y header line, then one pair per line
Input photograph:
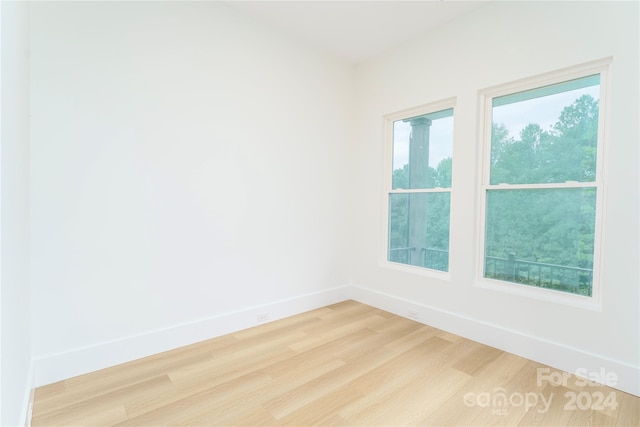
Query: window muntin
x,y
419,198
542,185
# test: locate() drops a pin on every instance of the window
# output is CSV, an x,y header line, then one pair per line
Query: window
x,y
541,186
420,148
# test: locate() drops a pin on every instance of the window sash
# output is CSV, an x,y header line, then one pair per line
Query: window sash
x,y
532,250
418,173
441,109
585,74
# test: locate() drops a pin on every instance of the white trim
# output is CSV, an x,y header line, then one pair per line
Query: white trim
x,y
389,119
78,361
541,294
29,394
82,360
432,107
485,96
604,120
421,271
420,190
553,354
597,66
567,184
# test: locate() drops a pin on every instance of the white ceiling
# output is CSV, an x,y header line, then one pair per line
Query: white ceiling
x,y
355,30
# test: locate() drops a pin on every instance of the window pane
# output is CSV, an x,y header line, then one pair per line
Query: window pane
x,y
419,229
546,135
541,238
422,150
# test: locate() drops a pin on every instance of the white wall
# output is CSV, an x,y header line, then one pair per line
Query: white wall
x,y
496,44
186,163
15,313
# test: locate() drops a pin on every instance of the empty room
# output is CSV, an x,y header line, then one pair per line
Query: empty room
x,y
320,213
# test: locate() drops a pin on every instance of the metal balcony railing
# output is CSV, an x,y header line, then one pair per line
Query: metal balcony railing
x,y
569,279
437,259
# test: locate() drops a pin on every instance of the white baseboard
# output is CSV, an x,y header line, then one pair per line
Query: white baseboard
x,y
27,400
79,361
60,366
555,355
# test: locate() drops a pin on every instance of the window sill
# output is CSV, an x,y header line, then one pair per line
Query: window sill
x,y
542,294
421,271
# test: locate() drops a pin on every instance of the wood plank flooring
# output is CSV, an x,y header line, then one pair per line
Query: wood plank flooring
x,y
347,364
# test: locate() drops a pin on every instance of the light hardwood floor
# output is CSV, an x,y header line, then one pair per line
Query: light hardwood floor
x,y
345,364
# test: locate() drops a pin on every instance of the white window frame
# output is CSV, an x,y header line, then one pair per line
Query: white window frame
x,y
389,119
602,67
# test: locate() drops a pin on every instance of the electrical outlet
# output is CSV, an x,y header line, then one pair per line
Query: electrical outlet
x,y
262,317
413,314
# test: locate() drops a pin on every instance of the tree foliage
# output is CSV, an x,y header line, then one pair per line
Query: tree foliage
x,y
546,226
